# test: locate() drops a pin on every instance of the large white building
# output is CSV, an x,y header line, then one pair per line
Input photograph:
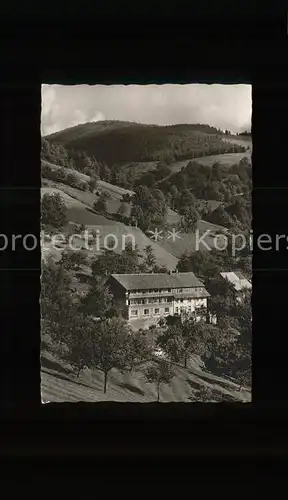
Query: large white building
x,y
151,296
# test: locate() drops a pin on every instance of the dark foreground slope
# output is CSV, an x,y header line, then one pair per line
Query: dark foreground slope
x,y
59,384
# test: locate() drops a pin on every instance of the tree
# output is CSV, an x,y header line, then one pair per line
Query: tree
x,y
126,198
109,262
124,210
92,183
160,373
221,302
184,336
57,305
137,214
111,347
101,204
55,288
187,199
130,256
53,210
139,349
160,269
84,186
98,301
149,260
105,172
175,194
205,264
72,180
216,171
189,219
173,344
78,335
73,260
151,208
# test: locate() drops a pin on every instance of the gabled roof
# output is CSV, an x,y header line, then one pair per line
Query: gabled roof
x,y
237,279
145,281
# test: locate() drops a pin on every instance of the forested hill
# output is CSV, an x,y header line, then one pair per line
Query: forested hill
x,y
116,142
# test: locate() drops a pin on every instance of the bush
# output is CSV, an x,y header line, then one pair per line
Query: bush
x,y
53,210
72,180
92,184
100,205
84,186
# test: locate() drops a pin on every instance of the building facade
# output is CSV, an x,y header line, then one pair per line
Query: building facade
x,y
152,296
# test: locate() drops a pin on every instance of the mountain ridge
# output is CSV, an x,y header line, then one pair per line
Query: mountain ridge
x,y
116,142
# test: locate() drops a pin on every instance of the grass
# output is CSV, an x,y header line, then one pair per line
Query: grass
x,y
59,384
187,243
167,252
242,141
115,191
79,213
226,159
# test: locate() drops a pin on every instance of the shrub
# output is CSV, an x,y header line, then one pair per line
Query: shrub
x,y
53,210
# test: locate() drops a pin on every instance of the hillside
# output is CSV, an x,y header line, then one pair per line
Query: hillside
x,y
59,384
79,213
167,252
120,142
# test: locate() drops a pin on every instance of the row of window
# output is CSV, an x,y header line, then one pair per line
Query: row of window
x,y
147,312
161,300
150,301
189,308
163,290
197,302
134,312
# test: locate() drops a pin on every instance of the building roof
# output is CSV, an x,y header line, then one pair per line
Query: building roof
x,y
237,279
145,281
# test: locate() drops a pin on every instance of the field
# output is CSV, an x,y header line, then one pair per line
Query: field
x,y
241,140
78,213
227,159
167,252
187,243
59,384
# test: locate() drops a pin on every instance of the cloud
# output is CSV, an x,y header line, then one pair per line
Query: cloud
x,y
224,106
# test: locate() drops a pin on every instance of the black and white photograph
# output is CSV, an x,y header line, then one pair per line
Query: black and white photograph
x,y
146,243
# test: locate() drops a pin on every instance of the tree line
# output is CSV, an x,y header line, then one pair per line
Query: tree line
x,y
138,142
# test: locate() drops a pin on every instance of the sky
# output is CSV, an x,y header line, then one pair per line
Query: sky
x,y
223,106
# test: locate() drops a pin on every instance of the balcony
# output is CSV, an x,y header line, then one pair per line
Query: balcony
x,y
147,294
151,302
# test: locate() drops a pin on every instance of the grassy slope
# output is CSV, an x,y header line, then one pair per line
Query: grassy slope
x,y
59,384
226,159
167,251
241,140
77,212
189,242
